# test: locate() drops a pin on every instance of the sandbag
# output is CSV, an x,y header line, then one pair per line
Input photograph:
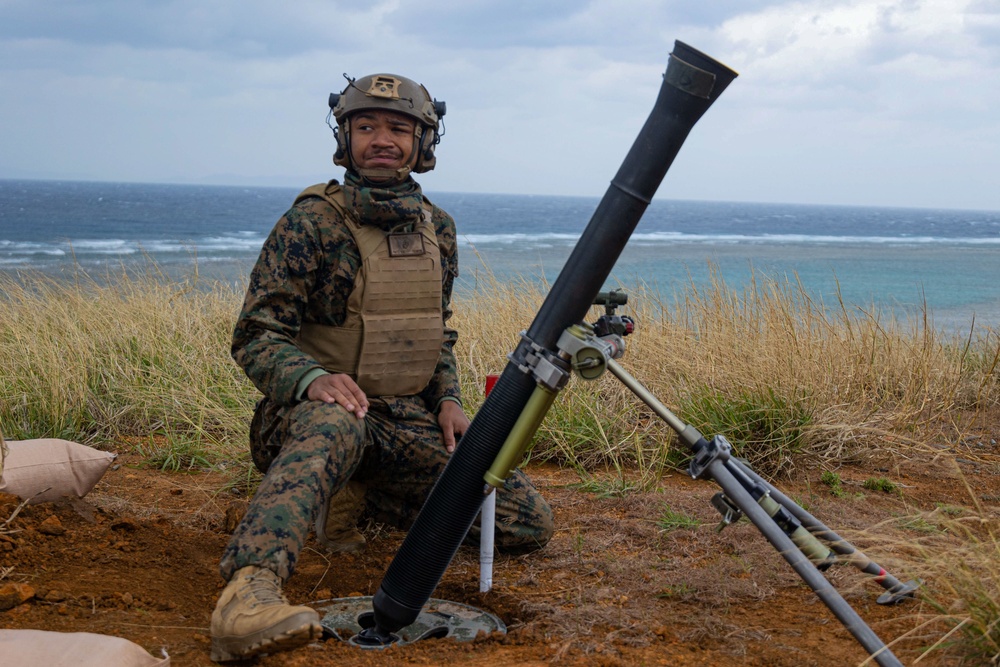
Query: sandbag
x,y
73,649
63,467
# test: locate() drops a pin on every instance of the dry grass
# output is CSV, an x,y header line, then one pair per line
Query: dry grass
x,y
127,358
955,552
781,375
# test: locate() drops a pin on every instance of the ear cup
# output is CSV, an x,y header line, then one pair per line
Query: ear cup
x,y
425,150
427,142
342,155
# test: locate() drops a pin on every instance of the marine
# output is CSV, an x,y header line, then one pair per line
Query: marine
x,y
344,330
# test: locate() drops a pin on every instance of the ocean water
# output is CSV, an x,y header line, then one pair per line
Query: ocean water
x,y
889,258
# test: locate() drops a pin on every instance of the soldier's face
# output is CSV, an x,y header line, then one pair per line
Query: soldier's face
x,y
381,140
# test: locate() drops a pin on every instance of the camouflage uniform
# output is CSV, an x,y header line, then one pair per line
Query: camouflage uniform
x,y
310,449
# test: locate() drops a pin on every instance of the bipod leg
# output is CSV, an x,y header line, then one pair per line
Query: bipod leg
x,y
846,614
896,590
712,464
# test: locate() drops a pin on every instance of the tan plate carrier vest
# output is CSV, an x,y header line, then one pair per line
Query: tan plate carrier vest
x,y
390,341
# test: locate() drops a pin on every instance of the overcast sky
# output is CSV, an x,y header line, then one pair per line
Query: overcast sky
x,y
875,102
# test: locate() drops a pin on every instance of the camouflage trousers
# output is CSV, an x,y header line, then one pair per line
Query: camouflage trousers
x,y
310,451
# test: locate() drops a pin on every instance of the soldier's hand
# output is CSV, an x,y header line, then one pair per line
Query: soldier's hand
x,y
453,423
339,388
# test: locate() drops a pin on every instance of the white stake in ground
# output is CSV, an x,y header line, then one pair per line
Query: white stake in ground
x,y
487,524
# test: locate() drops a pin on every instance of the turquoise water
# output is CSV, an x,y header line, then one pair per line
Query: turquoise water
x,y
896,259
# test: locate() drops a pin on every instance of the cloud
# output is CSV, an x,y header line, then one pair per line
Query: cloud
x,y
860,99
873,101
850,43
252,28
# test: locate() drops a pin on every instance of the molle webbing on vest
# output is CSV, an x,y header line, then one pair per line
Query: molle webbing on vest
x,y
390,341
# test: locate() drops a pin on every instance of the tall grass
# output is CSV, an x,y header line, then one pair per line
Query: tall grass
x,y
134,357
782,376
957,554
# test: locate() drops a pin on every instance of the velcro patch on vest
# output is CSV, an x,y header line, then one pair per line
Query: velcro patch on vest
x,y
408,244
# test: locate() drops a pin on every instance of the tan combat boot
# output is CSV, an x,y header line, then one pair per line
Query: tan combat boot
x,y
336,525
253,617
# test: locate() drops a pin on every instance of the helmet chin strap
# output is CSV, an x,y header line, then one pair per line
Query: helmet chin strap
x,y
385,176
377,176
393,176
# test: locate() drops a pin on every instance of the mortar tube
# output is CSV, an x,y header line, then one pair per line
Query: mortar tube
x,y
520,436
692,82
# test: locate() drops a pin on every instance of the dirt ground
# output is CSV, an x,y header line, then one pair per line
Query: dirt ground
x,y
137,559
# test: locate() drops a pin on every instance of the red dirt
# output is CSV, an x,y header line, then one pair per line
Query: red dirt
x,y
138,558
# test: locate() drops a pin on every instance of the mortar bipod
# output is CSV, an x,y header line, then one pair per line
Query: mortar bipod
x,y
800,542
798,537
896,590
819,543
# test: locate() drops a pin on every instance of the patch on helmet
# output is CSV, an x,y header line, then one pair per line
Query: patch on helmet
x,y
384,86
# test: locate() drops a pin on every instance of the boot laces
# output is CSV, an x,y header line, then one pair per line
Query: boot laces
x,y
264,590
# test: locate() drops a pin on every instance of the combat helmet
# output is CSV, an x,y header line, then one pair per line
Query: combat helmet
x,y
388,92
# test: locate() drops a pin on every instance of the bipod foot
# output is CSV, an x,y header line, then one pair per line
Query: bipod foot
x,y
900,593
